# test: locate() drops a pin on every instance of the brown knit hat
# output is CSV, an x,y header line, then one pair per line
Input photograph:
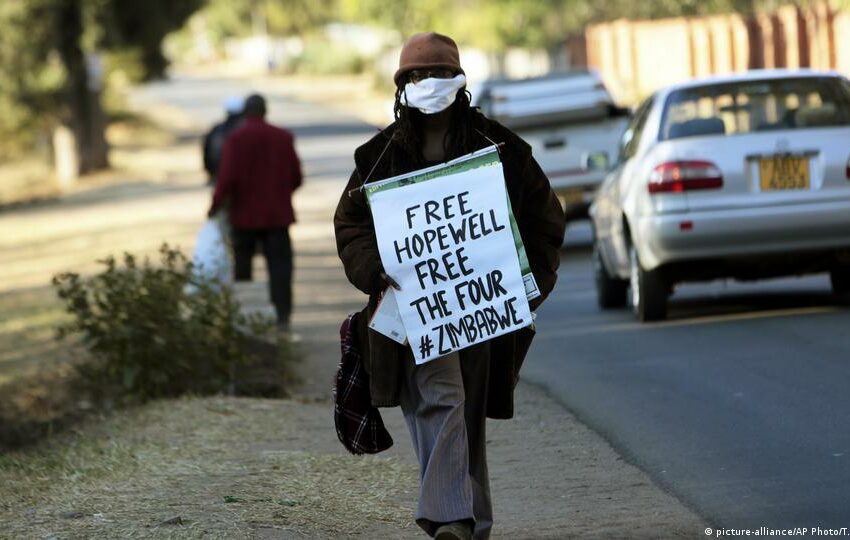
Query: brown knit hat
x,y
428,50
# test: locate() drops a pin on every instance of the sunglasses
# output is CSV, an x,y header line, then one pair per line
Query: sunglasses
x,y
417,75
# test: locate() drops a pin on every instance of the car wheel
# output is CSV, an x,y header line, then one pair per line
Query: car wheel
x,y
840,278
647,291
610,292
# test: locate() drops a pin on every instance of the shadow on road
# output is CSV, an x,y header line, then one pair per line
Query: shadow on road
x,y
754,304
699,303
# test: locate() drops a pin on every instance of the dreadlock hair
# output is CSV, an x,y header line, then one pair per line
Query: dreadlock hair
x,y
460,137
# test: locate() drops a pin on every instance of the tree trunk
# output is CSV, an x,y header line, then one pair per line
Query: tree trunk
x,y
84,114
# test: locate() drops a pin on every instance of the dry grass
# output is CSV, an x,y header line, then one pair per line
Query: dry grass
x,y
38,393
51,394
32,248
131,130
31,178
226,466
27,328
27,180
39,405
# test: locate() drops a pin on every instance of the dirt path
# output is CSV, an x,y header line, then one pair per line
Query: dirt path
x,y
248,468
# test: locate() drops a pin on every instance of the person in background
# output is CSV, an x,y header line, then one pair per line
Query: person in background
x,y
214,139
445,401
259,172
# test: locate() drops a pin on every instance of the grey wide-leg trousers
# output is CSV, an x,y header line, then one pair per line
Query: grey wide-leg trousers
x,y
445,405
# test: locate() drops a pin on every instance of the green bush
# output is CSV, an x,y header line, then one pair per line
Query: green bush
x,y
149,337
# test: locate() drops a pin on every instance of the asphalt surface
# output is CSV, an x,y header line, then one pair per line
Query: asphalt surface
x,y
738,404
326,140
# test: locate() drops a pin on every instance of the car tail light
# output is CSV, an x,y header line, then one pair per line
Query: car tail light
x,y
681,176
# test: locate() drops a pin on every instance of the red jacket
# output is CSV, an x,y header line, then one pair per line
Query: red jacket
x,y
258,173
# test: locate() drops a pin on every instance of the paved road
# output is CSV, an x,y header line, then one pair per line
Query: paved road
x,y
326,146
738,404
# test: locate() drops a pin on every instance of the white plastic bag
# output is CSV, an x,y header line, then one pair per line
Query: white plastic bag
x,y
212,254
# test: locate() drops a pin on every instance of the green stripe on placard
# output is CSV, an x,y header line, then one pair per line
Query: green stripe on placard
x,y
524,266
466,163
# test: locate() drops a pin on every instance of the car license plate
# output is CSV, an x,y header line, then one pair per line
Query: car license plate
x,y
784,172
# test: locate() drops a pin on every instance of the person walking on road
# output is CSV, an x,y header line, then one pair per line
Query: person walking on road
x,y
445,401
259,172
214,139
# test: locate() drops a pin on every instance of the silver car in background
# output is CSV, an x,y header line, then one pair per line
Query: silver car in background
x,y
571,122
744,177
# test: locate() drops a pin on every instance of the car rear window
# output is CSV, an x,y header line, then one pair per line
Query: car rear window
x,y
753,106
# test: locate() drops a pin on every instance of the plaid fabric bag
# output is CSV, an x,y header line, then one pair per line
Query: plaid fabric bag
x,y
359,426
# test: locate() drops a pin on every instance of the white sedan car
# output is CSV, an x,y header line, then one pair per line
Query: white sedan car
x,y
744,177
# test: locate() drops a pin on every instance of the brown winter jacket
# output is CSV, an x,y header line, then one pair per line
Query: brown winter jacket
x,y
541,224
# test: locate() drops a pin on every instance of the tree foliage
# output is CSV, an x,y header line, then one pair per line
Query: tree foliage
x,y
489,24
234,18
499,24
36,83
31,74
43,59
140,27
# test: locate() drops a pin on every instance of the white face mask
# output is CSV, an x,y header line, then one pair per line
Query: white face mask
x,y
432,95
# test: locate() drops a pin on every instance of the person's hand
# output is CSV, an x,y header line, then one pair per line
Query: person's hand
x,y
380,282
390,281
